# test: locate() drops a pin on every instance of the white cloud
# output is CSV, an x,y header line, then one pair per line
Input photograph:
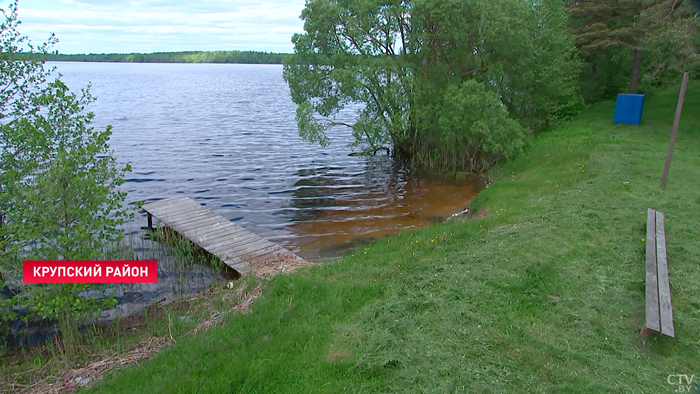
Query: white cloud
x,y
94,26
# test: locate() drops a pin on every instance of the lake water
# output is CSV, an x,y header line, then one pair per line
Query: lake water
x,y
225,135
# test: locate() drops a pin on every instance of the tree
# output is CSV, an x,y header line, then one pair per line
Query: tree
x,y
402,59
350,54
57,179
613,37
669,29
606,38
603,24
18,78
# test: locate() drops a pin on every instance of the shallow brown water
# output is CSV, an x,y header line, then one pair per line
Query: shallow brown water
x,y
408,204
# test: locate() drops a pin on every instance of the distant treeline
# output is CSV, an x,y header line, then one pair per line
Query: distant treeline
x,y
247,57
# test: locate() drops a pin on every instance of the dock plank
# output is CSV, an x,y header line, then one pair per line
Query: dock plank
x,y
197,221
191,218
239,241
237,247
196,225
238,238
164,202
247,254
212,228
217,234
165,206
183,212
213,234
244,247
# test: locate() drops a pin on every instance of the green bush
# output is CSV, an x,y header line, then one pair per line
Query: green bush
x,y
58,182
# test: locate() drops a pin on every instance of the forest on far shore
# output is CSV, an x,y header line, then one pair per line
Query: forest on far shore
x,y
246,57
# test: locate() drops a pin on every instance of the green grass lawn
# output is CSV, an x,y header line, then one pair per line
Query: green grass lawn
x,y
541,291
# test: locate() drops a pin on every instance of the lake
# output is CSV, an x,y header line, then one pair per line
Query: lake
x,y
225,135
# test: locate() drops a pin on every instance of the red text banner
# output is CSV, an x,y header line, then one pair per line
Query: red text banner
x,y
106,271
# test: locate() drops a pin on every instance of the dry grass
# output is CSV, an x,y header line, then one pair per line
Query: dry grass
x,y
71,379
239,299
236,300
284,264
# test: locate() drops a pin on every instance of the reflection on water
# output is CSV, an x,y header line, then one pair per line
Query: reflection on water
x,y
226,136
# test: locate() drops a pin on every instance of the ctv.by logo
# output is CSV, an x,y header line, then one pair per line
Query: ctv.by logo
x,y
683,383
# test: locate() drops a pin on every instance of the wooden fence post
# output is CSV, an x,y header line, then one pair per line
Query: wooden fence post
x,y
676,121
2,236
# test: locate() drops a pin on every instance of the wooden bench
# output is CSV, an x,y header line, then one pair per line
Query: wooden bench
x,y
659,317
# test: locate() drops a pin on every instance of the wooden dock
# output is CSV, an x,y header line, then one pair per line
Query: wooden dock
x,y
234,245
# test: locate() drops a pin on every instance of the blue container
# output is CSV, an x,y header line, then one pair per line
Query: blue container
x,y
628,108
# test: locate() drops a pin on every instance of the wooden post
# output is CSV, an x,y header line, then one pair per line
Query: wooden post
x,y
3,237
676,121
150,221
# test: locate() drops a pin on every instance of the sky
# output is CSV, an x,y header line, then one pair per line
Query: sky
x,y
144,26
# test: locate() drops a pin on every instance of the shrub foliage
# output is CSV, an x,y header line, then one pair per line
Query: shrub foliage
x,y
57,180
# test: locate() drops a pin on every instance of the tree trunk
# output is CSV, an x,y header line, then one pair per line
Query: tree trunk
x,y
636,64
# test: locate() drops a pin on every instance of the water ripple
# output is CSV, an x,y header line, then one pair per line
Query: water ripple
x,y
227,134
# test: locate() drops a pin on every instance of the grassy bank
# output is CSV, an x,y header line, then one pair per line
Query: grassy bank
x,y
540,290
64,366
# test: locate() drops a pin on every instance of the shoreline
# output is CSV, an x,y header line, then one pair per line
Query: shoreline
x,y
540,289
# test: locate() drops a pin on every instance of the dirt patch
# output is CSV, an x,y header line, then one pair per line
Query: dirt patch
x,y
338,355
282,264
480,214
467,214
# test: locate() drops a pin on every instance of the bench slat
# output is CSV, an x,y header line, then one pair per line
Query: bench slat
x,y
665,311
652,288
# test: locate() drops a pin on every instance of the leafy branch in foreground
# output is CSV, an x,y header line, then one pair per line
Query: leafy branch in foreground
x,y
58,181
